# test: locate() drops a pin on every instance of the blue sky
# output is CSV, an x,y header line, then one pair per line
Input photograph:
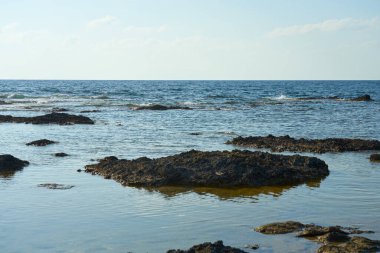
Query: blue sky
x,y
190,39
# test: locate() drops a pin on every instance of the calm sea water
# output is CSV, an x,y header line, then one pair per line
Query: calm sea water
x,y
99,215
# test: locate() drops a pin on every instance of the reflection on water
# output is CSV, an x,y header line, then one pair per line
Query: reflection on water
x,y
7,174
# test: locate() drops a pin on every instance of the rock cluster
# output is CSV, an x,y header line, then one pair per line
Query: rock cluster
x,y
212,169
287,143
52,118
208,247
335,239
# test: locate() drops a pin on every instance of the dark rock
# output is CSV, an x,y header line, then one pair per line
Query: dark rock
x,y
157,107
356,244
11,163
287,143
314,230
40,143
54,186
52,118
375,158
61,154
79,170
89,111
362,98
333,237
208,247
213,169
280,227
195,133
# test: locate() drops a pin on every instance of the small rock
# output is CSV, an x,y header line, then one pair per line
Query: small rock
x,y
54,186
52,118
89,111
280,227
11,163
157,107
362,98
61,154
40,143
375,158
252,246
55,109
79,170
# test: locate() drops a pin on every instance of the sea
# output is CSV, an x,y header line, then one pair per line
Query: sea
x,y
99,215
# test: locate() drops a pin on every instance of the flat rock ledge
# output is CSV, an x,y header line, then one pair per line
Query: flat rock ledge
x,y
41,143
212,169
287,143
52,118
11,163
208,247
335,239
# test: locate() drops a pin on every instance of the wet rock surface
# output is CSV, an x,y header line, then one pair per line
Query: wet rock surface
x,y
41,143
208,247
158,107
375,158
54,186
335,239
52,118
287,143
11,163
214,169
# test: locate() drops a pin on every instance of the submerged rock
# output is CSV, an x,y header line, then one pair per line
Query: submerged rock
x,y
213,169
208,247
52,118
61,154
11,163
40,143
158,107
54,186
375,158
287,143
89,111
57,109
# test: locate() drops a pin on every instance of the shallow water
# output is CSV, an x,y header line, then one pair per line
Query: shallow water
x,y
99,215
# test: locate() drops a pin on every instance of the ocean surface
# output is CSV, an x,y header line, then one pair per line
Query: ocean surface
x,y
99,215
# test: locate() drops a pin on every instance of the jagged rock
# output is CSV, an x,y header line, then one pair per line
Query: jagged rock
x,y
61,154
280,227
52,118
40,143
287,143
314,230
356,244
214,169
208,247
158,107
11,163
362,98
54,186
375,158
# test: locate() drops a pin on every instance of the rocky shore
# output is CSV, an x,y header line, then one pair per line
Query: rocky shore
x,y
335,239
52,118
212,169
287,143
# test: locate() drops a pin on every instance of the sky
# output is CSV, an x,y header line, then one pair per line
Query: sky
x,y
190,39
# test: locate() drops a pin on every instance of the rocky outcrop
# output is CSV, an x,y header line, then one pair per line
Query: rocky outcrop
x,y
212,169
40,143
10,164
335,239
208,247
287,143
52,118
54,186
375,158
158,107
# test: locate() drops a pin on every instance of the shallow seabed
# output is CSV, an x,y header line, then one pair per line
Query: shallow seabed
x,y
99,215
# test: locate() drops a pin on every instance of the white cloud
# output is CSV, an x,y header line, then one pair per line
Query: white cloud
x,y
146,29
325,26
106,20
